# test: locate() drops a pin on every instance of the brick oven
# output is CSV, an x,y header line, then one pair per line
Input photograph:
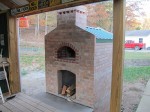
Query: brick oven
x,y
78,64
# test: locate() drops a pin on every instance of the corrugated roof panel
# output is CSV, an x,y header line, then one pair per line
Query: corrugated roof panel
x,y
100,33
20,2
3,7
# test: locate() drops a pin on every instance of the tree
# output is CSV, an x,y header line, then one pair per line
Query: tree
x,y
133,12
100,15
146,24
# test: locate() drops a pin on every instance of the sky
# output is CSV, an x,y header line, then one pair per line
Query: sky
x,y
146,7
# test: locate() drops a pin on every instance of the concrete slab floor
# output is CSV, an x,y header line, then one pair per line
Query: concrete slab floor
x,y
61,103
144,105
147,89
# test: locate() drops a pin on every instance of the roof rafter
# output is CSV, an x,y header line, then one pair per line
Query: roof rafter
x,y
30,0
9,3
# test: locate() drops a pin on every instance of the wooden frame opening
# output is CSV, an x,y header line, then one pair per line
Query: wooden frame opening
x,y
118,53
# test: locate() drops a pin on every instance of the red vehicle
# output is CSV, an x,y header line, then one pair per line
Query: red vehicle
x,y
136,46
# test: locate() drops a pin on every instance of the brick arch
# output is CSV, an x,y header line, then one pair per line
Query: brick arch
x,y
69,69
67,45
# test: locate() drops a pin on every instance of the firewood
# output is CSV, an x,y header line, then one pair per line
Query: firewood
x,y
71,88
71,93
64,90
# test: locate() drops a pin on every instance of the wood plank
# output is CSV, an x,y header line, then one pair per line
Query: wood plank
x,y
13,56
4,109
118,54
11,107
25,103
28,97
35,104
9,3
33,109
17,105
37,101
30,0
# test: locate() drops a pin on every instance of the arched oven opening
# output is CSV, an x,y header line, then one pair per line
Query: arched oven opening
x,y
66,53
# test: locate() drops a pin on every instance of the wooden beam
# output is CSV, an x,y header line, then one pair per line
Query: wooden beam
x,y
57,7
13,56
118,54
9,3
30,0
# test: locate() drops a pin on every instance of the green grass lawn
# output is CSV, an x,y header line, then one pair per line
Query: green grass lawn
x,y
133,74
31,60
137,55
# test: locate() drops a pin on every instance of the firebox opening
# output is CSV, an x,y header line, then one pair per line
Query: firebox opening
x,y
66,52
66,83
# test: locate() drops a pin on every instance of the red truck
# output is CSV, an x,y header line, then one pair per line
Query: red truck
x,y
133,45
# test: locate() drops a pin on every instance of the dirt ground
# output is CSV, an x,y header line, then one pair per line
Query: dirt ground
x,y
132,94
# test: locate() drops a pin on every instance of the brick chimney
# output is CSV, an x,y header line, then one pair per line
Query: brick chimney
x,y
72,16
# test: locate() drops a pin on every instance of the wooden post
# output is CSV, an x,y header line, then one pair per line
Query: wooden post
x,y
38,25
13,56
118,55
45,23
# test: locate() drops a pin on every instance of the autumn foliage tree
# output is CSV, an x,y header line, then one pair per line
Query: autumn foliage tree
x,y
133,12
99,15
51,19
146,24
